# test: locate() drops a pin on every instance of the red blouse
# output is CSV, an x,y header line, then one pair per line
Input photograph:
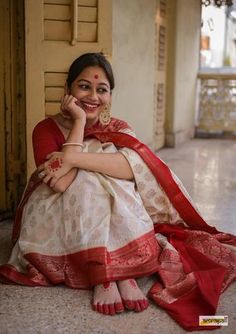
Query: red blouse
x,y
47,138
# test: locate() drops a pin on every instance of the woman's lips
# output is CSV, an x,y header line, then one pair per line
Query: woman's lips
x,y
89,106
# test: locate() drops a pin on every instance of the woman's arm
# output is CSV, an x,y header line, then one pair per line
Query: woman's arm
x,y
75,136
112,164
65,181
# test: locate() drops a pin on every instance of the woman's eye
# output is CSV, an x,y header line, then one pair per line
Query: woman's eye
x,y
102,90
84,87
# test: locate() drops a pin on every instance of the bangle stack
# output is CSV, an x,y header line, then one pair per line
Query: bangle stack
x,y
74,144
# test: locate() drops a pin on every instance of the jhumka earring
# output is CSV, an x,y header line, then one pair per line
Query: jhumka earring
x,y
105,115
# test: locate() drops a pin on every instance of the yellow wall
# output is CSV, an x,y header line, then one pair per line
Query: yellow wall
x,y
184,36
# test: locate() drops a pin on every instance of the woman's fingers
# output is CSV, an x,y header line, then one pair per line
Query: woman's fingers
x,y
50,155
50,180
66,101
47,178
66,89
40,168
41,174
71,108
41,171
53,182
65,104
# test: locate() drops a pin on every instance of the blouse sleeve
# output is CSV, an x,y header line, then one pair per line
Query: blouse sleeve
x,y
46,139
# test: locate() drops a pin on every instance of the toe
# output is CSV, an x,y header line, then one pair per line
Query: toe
x,y
119,307
129,304
137,307
106,309
112,310
143,304
100,308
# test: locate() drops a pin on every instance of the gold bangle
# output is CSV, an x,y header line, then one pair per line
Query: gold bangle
x,y
74,144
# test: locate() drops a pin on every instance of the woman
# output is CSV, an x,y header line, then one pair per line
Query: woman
x,y
102,209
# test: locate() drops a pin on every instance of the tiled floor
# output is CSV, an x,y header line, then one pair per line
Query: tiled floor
x,y
207,168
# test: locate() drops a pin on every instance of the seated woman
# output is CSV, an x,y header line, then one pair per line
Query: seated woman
x,y
102,210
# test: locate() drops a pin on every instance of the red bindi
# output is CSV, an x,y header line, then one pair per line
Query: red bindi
x,y
96,76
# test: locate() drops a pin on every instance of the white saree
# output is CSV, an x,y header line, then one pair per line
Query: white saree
x,y
99,221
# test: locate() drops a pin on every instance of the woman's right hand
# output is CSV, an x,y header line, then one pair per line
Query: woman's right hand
x,y
71,109
58,164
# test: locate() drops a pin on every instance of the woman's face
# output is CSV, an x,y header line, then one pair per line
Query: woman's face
x,y
92,90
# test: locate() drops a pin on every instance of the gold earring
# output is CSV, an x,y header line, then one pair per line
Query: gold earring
x,y
105,115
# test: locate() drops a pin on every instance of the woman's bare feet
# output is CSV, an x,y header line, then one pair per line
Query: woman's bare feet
x,y
132,296
107,299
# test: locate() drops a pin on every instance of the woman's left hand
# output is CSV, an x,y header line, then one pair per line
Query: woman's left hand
x,y
58,165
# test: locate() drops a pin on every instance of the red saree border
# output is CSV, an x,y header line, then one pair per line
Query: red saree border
x,y
10,275
186,310
87,268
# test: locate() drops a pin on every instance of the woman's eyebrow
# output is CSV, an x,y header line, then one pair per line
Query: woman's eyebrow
x,y
84,80
99,83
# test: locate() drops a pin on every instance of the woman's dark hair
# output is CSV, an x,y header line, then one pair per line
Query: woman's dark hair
x,y
87,60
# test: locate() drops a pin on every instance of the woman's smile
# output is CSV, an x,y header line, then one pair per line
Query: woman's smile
x,y
89,107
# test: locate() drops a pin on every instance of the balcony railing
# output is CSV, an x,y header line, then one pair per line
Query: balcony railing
x,y
216,111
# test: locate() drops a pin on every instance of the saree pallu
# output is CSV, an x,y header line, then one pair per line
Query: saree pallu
x,y
103,229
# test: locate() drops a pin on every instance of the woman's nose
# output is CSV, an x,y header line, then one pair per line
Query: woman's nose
x,y
93,94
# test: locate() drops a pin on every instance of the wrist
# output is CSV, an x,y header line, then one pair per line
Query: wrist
x,y
75,158
79,122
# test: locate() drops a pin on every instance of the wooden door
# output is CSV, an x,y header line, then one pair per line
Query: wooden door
x,y
12,106
57,32
160,74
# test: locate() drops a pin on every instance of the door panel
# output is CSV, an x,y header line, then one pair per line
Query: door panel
x,y
57,32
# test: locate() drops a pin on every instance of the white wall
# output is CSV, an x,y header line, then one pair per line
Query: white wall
x,y
133,64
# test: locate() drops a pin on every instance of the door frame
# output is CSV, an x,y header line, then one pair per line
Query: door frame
x,y
12,106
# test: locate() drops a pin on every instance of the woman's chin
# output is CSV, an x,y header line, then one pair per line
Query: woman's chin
x,y
92,115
